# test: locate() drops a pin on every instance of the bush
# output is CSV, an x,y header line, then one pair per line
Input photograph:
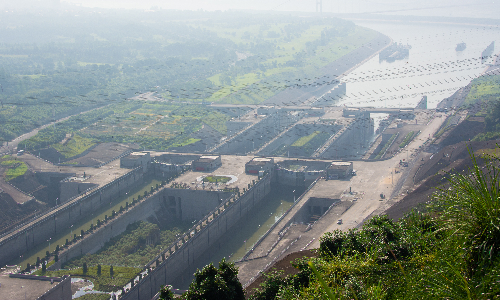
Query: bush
x,y
213,283
166,293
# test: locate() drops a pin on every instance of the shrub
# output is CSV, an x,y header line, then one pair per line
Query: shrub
x,y
471,207
213,283
166,293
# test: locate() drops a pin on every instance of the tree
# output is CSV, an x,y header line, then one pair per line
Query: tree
x,y
44,267
99,270
85,268
217,284
166,293
56,257
111,271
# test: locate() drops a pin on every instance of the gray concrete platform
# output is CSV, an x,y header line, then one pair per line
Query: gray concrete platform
x,y
231,165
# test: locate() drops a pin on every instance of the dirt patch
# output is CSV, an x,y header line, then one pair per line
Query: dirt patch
x,y
13,213
27,183
50,154
208,137
464,131
432,174
283,264
100,154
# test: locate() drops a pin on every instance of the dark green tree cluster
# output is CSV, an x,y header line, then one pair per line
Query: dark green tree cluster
x,y
211,283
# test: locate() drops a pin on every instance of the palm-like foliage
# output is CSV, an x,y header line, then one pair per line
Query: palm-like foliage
x,y
470,209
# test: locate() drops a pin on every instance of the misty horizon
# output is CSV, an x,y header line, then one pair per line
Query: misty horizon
x,y
446,8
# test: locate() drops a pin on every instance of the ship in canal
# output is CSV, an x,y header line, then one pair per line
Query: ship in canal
x,y
395,52
461,46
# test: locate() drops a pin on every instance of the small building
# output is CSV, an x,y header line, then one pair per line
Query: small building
x,y
207,163
135,159
20,286
340,170
259,164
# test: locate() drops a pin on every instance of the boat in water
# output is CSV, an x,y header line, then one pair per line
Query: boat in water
x,y
395,52
461,47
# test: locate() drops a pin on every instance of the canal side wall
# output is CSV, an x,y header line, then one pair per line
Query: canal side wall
x,y
174,267
65,215
94,241
353,141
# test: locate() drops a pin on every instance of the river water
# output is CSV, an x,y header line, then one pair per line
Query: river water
x,y
433,67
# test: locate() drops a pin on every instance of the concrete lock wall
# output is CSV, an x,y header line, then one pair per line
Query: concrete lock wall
x,y
64,216
353,141
191,205
94,241
174,266
62,291
69,189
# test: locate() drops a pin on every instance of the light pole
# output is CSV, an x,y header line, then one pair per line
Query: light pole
x,y
71,235
293,195
49,243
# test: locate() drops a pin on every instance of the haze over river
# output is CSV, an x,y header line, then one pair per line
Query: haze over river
x,y
433,68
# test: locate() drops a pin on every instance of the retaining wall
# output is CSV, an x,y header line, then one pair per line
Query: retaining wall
x,y
94,241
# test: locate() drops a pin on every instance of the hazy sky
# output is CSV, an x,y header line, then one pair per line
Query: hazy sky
x,y
457,8
448,8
